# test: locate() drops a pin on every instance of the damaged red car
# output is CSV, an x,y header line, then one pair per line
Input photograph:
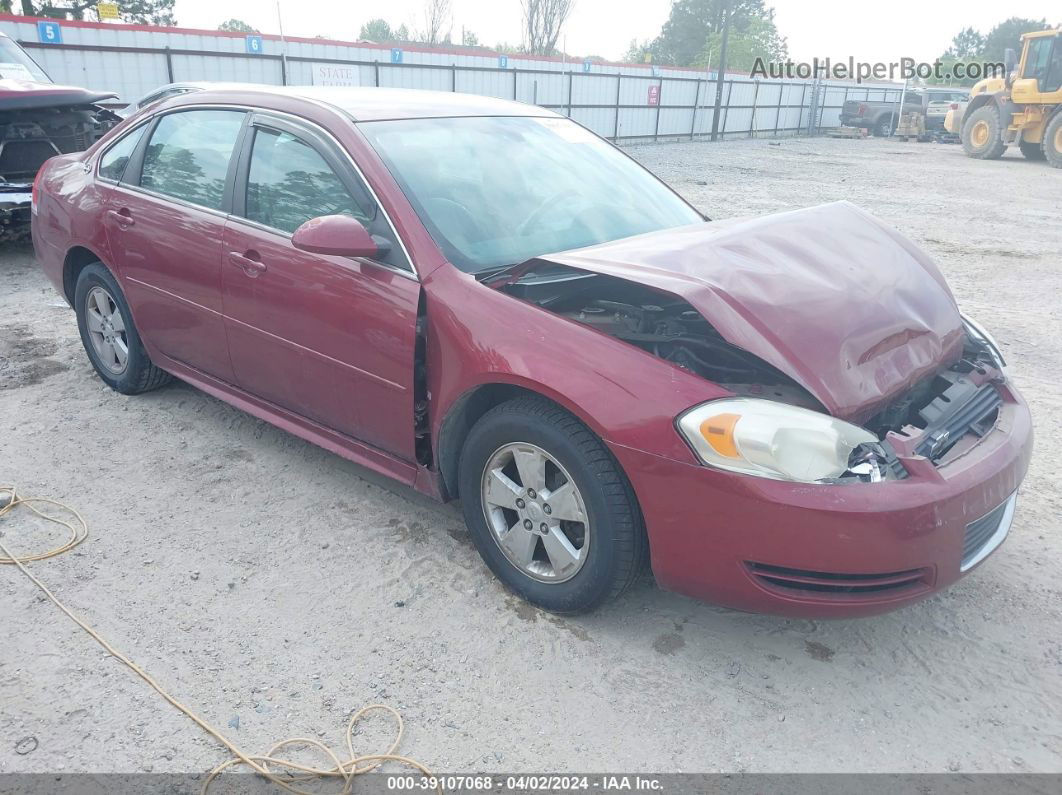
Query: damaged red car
x,y
485,301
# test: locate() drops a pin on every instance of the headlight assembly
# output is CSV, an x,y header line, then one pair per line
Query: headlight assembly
x,y
771,440
980,334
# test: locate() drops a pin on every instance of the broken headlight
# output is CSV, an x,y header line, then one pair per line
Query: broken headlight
x,y
979,334
772,440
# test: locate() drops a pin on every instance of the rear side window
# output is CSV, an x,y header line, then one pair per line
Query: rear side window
x,y
188,155
115,159
289,182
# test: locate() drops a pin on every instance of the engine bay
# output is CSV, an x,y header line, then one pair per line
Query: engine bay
x,y
937,418
662,325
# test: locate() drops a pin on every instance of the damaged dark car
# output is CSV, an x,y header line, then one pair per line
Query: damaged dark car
x,y
489,303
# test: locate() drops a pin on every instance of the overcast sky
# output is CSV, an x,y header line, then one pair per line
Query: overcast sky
x,y
886,31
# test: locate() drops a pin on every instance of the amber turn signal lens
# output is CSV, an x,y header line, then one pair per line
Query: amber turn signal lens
x,y
718,431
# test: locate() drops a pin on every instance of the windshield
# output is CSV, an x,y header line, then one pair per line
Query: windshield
x,y
499,190
16,65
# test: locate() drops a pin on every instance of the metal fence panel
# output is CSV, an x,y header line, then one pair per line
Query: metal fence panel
x,y
616,101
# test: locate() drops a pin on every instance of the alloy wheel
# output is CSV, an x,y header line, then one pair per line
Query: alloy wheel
x,y
106,329
535,512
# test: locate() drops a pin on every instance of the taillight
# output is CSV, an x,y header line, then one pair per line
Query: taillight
x,y
862,110
35,190
954,106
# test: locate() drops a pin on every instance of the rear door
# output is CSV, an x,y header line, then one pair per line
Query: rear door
x,y
330,338
165,221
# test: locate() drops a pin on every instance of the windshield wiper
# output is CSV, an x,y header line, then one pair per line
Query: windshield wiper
x,y
493,274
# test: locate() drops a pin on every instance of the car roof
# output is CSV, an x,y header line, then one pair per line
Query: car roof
x,y
377,104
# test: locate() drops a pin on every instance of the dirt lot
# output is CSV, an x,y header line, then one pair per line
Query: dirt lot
x,y
264,579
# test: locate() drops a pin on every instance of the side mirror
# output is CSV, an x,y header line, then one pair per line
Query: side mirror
x,y
1010,60
339,236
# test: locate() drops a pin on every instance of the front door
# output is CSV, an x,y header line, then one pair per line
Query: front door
x,y
165,222
330,338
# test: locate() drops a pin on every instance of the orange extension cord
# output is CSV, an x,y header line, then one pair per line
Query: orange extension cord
x,y
265,765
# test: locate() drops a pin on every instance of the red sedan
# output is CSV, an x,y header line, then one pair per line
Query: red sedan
x,y
485,301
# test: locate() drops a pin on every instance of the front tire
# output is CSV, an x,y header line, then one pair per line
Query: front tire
x,y
111,340
982,134
548,507
1053,141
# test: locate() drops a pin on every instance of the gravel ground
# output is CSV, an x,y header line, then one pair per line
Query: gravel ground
x,y
275,586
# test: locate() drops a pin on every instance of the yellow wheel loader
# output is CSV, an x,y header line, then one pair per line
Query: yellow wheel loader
x,y
1024,108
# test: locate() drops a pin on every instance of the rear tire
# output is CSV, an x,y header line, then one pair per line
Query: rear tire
x,y
982,134
1032,150
1053,141
525,541
111,340
884,125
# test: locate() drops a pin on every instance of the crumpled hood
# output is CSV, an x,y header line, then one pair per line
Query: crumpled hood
x,y
843,304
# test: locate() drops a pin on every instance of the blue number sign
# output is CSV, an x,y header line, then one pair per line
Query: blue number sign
x,y
396,55
49,32
254,45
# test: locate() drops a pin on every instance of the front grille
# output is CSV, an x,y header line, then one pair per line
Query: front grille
x,y
833,583
985,534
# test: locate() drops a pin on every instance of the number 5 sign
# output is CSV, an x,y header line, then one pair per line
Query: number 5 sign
x,y
49,32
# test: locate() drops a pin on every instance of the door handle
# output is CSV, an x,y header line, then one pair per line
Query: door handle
x,y
248,261
122,217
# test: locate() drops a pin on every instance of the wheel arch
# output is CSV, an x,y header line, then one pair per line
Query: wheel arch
x,y
977,102
76,260
472,404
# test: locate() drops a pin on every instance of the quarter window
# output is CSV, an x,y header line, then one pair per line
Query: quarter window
x,y
188,155
289,182
115,159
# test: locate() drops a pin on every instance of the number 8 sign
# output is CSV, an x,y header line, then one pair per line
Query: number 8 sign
x,y
49,32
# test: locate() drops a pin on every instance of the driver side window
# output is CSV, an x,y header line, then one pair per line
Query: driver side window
x,y
289,182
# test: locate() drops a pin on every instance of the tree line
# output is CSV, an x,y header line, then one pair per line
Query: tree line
x,y
972,46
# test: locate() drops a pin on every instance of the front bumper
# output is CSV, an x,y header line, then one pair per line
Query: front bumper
x,y
830,551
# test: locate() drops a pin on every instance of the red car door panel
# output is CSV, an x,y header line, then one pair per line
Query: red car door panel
x,y
331,338
328,337
170,258
165,223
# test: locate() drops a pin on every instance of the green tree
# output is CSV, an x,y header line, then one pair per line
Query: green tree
x,y
1008,34
469,39
759,39
637,50
684,35
236,26
968,43
401,33
376,30
142,12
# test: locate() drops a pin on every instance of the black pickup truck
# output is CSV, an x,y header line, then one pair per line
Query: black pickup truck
x,y
880,117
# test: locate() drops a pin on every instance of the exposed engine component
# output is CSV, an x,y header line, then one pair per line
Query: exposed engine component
x,y
940,415
29,137
660,324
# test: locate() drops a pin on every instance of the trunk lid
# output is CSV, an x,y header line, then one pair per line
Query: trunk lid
x,y
834,298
